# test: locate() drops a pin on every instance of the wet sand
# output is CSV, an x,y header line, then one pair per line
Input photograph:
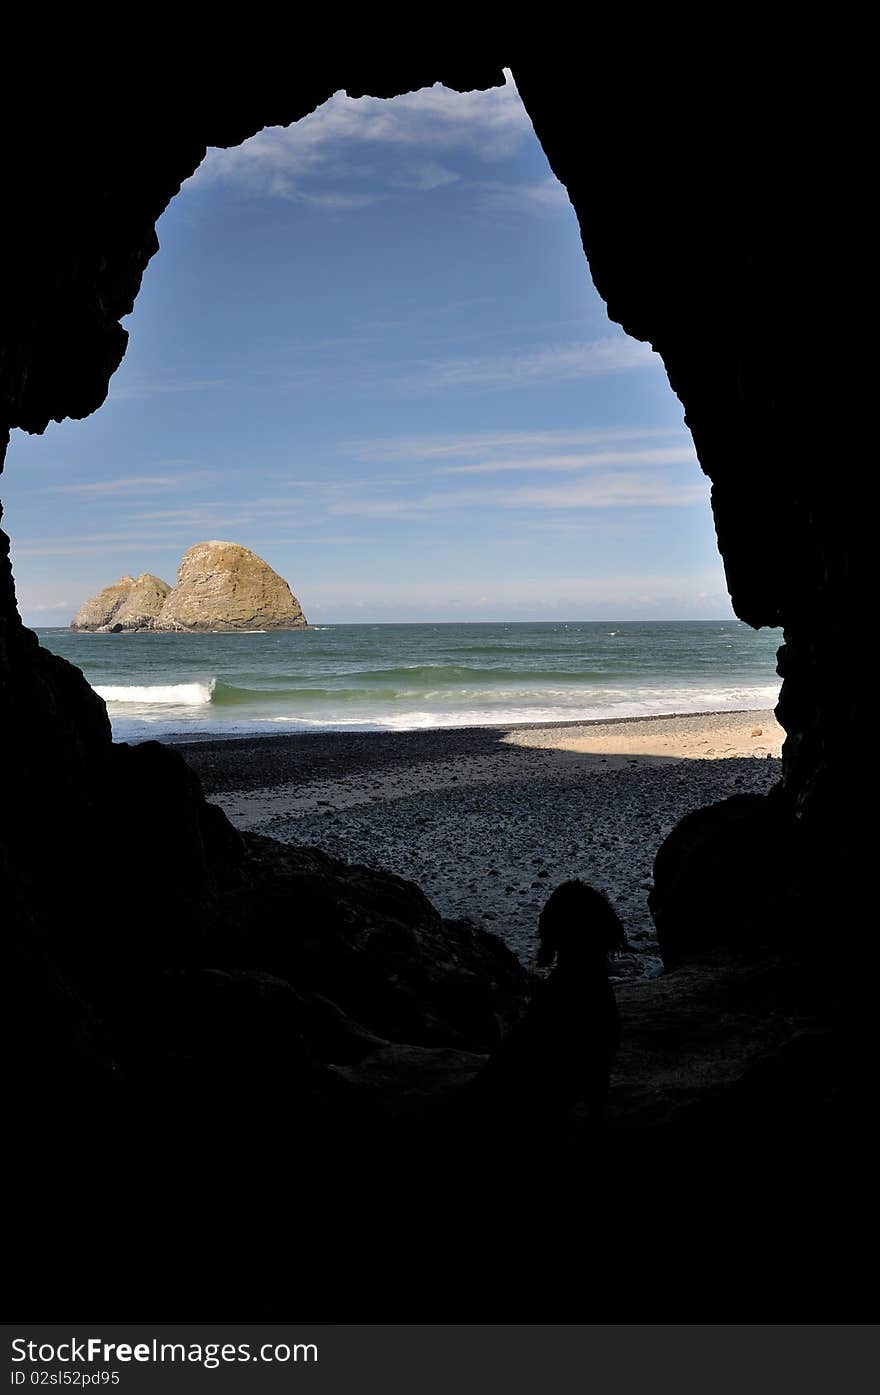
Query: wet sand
x,y
489,819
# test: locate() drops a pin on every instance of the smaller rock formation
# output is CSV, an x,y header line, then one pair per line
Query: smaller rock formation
x,y
220,586
131,603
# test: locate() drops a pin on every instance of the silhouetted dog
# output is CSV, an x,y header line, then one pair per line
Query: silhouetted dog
x,y
561,1052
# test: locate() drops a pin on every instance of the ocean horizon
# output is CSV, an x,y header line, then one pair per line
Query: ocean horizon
x,y
411,676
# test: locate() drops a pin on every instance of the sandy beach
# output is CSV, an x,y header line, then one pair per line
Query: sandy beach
x,y
488,820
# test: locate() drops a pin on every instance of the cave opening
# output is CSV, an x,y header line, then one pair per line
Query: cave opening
x,y
370,351
392,337
763,1055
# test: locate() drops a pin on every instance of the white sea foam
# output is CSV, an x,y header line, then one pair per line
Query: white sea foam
x,y
166,694
145,712
643,702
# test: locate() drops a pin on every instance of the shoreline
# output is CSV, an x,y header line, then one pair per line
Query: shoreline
x,y
488,820
186,738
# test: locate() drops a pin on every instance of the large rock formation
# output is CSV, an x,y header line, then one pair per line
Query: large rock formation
x,y
131,603
220,586
223,586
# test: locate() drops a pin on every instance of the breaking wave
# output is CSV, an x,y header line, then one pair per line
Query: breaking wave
x,y
164,694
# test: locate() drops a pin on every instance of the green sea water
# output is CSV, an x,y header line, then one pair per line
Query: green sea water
x,y
405,677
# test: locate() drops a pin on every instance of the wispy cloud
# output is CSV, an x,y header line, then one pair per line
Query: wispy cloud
x,y
599,491
428,175
233,513
131,485
89,544
192,515
337,200
421,128
611,492
526,198
626,459
481,442
557,363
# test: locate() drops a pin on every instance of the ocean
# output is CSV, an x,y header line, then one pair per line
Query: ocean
x,y
406,677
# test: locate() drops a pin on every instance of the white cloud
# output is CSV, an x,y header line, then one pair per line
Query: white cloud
x,y
339,201
194,514
430,447
600,491
611,492
131,484
553,364
278,162
524,198
428,175
668,455
89,545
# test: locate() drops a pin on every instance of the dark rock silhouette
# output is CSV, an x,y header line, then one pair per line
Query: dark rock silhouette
x,y
720,879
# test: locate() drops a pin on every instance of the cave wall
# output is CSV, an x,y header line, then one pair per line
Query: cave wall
x,y
706,217
702,194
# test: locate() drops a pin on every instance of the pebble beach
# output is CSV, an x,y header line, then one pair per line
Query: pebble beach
x,y
489,820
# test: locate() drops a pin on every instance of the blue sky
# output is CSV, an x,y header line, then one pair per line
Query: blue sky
x,y
370,350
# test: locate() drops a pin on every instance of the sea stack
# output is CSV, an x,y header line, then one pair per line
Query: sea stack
x,y
220,586
223,586
131,603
